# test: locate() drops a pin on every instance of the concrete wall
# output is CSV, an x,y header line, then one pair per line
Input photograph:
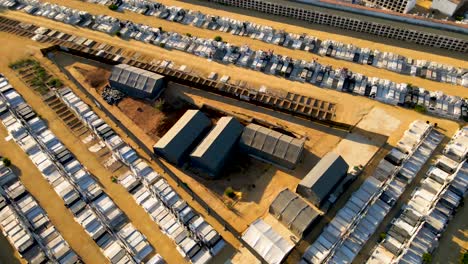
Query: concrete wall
x,y
383,30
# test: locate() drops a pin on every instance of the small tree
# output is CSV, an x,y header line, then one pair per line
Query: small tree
x,y
382,236
218,38
118,34
464,258
420,109
188,35
427,258
162,45
229,192
6,161
55,83
159,104
113,7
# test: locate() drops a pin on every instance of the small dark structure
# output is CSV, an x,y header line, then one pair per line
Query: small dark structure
x,y
175,145
395,157
271,146
215,149
323,179
136,82
292,211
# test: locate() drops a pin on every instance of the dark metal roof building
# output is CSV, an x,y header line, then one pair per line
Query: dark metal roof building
x,y
323,178
272,146
292,211
212,153
175,145
136,82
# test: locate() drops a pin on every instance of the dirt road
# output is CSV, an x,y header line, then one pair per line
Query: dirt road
x,y
59,215
297,54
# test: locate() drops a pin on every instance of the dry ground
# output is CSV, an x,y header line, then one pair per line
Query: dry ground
x,y
259,182
454,241
15,48
232,70
60,216
33,180
154,122
204,67
356,39
351,108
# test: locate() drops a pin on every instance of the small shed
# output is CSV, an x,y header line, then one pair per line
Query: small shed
x,y
136,82
271,146
176,144
323,178
293,212
215,149
267,242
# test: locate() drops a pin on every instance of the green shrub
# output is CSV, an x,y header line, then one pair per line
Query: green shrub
x,y
464,258
118,34
6,161
20,63
188,34
427,258
55,83
229,192
218,38
162,45
382,236
420,109
113,7
459,18
159,104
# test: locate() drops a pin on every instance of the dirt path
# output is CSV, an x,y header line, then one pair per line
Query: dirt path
x,y
59,215
162,244
121,197
351,110
255,44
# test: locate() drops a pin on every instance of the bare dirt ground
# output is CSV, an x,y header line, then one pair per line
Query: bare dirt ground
x,y
368,137
60,216
454,241
154,121
14,49
383,122
161,242
351,109
230,69
246,172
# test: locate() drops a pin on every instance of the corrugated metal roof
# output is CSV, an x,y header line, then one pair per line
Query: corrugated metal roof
x,y
266,242
213,150
293,212
281,202
135,77
271,145
177,141
325,175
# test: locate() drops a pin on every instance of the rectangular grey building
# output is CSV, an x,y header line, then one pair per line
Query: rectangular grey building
x,y
400,6
323,178
215,149
271,146
293,212
177,143
136,82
